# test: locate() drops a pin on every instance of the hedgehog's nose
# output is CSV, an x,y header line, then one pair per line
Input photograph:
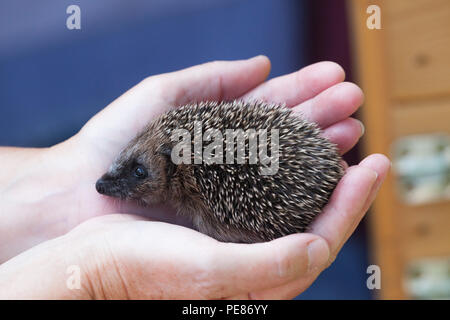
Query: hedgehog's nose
x,y
101,186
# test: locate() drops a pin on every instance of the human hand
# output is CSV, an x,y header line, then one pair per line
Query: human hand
x,y
126,257
50,191
315,91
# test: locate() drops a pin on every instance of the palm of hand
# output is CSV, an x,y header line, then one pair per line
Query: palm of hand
x,y
312,91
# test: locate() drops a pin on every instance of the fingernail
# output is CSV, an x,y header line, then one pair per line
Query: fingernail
x,y
318,254
375,174
363,128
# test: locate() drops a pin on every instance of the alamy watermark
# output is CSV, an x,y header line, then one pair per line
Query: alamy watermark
x,y
374,280
73,21
237,147
374,20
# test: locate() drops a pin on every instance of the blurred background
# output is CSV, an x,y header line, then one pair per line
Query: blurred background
x,y
52,80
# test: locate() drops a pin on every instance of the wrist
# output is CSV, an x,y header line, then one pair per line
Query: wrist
x,y
33,190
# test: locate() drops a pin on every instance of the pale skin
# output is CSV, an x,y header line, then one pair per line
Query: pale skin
x,y
52,217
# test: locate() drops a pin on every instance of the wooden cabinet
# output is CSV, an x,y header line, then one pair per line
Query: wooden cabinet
x,y
417,35
404,70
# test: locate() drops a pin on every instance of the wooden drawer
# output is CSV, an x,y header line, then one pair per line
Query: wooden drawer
x,y
420,117
417,47
425,230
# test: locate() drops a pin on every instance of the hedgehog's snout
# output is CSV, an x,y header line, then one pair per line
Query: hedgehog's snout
x,y
101,186
107,186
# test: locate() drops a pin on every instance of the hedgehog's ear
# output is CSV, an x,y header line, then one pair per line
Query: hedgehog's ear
x,y
166,151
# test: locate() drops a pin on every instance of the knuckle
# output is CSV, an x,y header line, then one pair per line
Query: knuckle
x,y
215,63
148,81
332,258
154,84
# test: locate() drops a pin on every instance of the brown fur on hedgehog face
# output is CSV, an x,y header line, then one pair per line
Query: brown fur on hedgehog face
x,y
162,181
140,172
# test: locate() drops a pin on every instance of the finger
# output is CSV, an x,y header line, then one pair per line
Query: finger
x,y
242,268
345,206
380,164
345,134
287,291
218,80
332,105
298,86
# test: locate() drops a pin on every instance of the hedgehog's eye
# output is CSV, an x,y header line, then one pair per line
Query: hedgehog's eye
x,y
140,172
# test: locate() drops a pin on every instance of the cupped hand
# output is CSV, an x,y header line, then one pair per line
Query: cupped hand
x,y
49,192
126,257
316,93
129,256
123,257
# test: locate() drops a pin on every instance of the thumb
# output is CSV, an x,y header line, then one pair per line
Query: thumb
x,y
251,267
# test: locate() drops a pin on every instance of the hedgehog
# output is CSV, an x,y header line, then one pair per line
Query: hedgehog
x,y
240,171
